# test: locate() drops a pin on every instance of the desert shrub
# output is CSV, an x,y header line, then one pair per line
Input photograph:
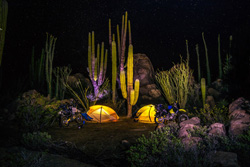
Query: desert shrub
x,y
215,115
211,143
36,140
163,148
177,84
36,118
243,140
23,158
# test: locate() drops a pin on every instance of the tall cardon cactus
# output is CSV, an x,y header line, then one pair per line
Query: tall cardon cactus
x,y
96,67
3,25
127,90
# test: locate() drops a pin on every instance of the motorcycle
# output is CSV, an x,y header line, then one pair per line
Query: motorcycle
x,y
174,113
69,113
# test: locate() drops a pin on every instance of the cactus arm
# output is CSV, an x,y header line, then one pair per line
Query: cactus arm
x,y
207,61
219,57
93,55
136,90
101,76
132,97
118,42
129,32
123,84
122,59
3,25
198,61
89,56
203,90
114,71
110,36
97,63
105,64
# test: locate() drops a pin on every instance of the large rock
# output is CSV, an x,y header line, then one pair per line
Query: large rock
x,y
73,80
211,103
217,129
240,103
240,122
143,69
239,111
183,132
194,121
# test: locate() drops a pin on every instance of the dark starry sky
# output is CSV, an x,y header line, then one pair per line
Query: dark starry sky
x,y
159,29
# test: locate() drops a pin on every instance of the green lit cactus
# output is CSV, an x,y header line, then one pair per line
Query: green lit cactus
x,y
207,61
203,91
127,90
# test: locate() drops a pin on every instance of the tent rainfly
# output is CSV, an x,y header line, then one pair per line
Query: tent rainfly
x,y
146,114
101,113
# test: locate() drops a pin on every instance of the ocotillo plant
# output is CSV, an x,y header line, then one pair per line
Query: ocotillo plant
x,y
130,94
49,50
3,25
96,67
207,61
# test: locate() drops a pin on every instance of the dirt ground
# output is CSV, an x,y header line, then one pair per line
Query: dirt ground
x,y
103,141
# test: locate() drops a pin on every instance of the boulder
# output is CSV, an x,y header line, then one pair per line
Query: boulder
x,y
217,129
210,101
155,93
223,159
218,85
183,132
73,80
213,92
194,121
240,103
239,113
240,122
143,69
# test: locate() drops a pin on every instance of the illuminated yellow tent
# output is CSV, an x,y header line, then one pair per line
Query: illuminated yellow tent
x,y
101,113
146,114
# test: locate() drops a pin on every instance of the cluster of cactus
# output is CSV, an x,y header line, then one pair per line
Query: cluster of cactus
x,y
127,90
96,66
221,69
3,25
121,47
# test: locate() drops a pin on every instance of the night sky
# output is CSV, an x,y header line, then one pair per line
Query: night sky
x,y
159,29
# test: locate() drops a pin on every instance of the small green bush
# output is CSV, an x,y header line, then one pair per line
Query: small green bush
x,y
36,118
216,115
163,148
36,140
